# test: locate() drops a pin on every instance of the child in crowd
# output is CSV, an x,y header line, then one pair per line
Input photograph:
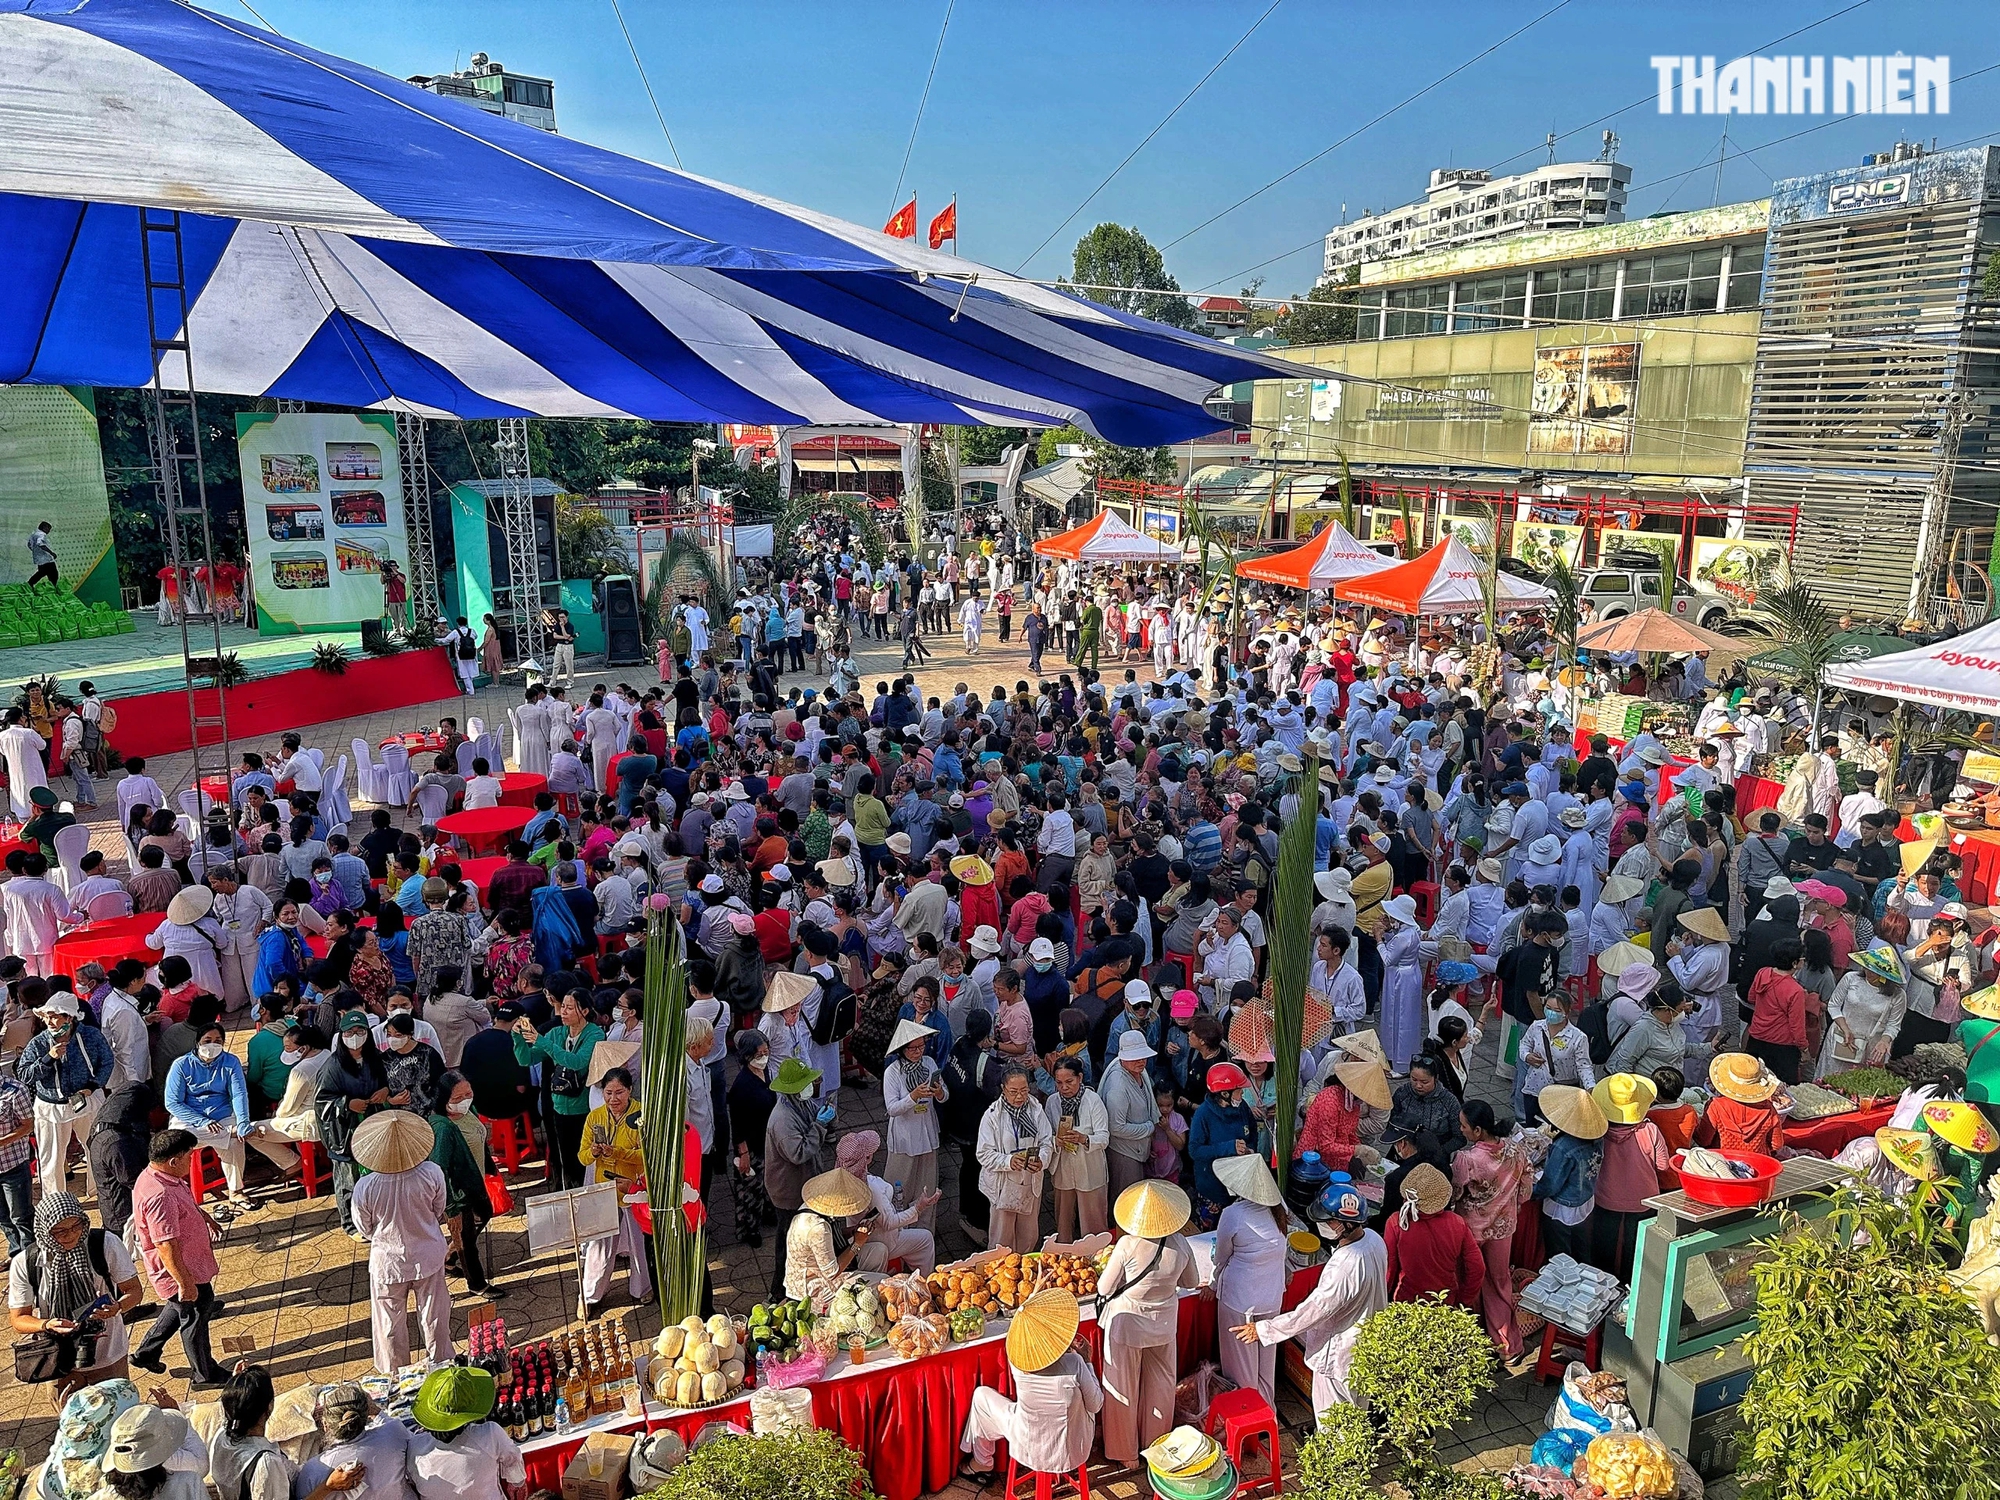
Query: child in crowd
x,y
1676,1118
1169,1137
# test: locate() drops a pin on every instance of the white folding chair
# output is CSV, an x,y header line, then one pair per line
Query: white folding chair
x,y
108,904
367,773
132,865
474,727
195,802
432,802
318,757
71,844
396,777
467,754
333,803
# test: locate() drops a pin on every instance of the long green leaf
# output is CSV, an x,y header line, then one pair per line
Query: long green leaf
x,y
678,1251
1291,951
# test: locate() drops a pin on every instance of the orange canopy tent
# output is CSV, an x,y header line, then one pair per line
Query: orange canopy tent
x,y
1332,554
1107,537
1444,581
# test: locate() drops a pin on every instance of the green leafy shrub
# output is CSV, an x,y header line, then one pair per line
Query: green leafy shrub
x,y
1421,1366
1338,1461
226,670
1874,1380
330,658
794,1466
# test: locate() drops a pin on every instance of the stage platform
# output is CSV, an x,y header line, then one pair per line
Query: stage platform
x,y
149,659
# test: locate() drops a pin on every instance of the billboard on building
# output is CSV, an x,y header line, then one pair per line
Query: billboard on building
x,y
324,502
52,469
1662,544
1540,544
1741,569
1583,399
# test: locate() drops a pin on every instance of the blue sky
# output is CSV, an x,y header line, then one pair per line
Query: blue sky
x,y
1033,104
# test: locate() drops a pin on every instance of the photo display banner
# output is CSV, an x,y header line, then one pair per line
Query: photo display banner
x,y
1584,399
323,509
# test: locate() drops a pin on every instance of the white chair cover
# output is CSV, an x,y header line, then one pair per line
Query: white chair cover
x,y
367,773
333,804
396,777
467,754
108,904
71,844
432,802
195,802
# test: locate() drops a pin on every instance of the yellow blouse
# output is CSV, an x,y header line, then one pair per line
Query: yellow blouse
x,y
614,1148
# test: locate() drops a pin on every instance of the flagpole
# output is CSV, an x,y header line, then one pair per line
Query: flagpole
x,y
954,224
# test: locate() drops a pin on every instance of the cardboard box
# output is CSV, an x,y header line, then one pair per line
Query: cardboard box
x,y
611,1483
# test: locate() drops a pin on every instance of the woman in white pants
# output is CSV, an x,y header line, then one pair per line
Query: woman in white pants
x,y
895,1230
208,1095
1139,1299
1082,1169
1249,1269
912,1088
1014,1148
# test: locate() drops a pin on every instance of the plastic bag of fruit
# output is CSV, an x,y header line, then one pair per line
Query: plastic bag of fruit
x,y
905,1297
915,1337
1630,1465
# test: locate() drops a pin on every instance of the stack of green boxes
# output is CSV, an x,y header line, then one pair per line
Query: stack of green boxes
x,y
36,616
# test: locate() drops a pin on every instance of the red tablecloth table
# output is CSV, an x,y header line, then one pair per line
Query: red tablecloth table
x,y
486,830
107,942
1827,1136
1754,794
217,788
416,744
904,1418
519,788
1979,849
26,846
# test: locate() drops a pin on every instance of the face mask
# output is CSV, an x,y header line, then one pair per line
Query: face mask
x,y
1556,1019
1042,966
288,923
403,1044
289,1057
399,1010
460,1106
208,1052
354,1041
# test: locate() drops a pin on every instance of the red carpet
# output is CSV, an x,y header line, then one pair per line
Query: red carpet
x,y
157,723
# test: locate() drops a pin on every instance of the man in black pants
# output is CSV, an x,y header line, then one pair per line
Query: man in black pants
x,y
43,556
175,1235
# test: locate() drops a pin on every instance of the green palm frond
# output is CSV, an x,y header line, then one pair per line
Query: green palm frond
x,y
1346,492
1807,627
679,1251
1291,952
683,554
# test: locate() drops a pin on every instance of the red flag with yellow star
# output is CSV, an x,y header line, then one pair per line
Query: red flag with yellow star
x,y
903,224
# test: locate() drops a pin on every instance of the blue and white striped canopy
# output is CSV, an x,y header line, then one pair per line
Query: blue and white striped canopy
x,y
354,240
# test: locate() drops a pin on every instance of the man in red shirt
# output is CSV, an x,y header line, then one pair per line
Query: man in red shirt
x,y
175,1239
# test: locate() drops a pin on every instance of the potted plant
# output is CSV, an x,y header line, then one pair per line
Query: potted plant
x,y
330,658
1873,1374
1421,1366
789,1466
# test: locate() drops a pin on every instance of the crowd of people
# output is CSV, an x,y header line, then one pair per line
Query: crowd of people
x,y
1033,920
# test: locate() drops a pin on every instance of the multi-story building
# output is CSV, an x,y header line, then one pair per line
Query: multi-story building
x,y
494,89
1467,206
1872,401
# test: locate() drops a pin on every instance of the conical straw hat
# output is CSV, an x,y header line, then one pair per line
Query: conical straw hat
x,y
1365,1081
837,1194
1573,1112
393,1141
1248,1178
1042,1330
1152,1209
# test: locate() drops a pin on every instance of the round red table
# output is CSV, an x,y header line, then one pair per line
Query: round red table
x,y
520,788
107,942
416,744
486,830
480,872
26,846
217,788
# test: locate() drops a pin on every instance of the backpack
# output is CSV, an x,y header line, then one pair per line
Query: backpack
x,y
837,1011
1594,1021
466,650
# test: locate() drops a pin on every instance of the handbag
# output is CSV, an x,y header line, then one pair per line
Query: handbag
x,y
42,1357
497,1194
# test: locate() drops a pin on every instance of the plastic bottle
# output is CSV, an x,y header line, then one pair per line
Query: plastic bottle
x,y
562,1415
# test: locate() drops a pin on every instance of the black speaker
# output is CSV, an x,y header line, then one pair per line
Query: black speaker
x,y
373,636
620,604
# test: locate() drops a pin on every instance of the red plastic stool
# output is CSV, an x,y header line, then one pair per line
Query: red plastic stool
x,y
1245,1417
1045,1484
198,1179
1425,893
512,1141
1589,1347
313,1167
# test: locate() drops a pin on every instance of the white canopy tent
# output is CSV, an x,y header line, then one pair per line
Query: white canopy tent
x,y
1961,673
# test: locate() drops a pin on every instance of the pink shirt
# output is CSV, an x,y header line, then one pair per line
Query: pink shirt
x,y
1492,1180
164,1209
1015,1024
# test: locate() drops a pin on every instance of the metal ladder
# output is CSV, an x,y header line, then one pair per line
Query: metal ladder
x,y
173,434
521,599
411,449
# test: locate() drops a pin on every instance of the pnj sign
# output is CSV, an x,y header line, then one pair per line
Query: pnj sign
x,y
1858,197
1895,84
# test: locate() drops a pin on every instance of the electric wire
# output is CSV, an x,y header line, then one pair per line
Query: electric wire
x,y
647,83
896,198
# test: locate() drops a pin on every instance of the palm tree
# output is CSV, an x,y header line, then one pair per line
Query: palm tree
x,y
1807,627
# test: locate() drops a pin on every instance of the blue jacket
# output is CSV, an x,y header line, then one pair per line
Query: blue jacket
x,y
85,1065
200,1093
1214,1133
1569,1176
279,952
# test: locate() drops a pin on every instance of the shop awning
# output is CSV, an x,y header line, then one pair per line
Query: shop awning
x,y
1962,673
1107,537
1444,581
1329,557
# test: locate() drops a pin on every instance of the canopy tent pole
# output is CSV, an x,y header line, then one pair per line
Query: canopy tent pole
x,y
522,598
414,452
171,418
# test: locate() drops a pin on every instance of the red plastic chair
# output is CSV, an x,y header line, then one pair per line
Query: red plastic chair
x,y
1045,1484
1425,893
313,1167
1245,1417
1558,1344
198,1172
511,1140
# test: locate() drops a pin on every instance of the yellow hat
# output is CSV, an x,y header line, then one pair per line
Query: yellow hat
x,y
1152,1209
1909,1152
1366,1081
1043,1330
1961,1125
972,870
837,1194
1739,1076
1573,1112
1914,855
1985,1004
1624,1098
1181,1453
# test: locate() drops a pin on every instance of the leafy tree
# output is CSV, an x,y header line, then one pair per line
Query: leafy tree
x,y
1324,315
1053,438
986,445
138,530
1874,1379
587,540
1121,268
1104,460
